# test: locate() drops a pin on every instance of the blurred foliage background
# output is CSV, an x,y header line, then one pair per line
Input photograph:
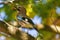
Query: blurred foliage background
x,y
46,9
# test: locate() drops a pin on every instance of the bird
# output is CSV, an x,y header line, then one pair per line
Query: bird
x,y
23,19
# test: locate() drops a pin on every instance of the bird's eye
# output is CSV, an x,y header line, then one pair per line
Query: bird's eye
x,y
19,7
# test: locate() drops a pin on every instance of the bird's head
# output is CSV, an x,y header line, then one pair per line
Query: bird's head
x,y
21,11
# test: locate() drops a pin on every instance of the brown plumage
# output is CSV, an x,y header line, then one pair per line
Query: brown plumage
x,y
21,11
23,19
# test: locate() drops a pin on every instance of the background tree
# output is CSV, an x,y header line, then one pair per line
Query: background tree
x,y
46,9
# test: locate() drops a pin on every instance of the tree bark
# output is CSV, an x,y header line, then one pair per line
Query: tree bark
x,y
19,35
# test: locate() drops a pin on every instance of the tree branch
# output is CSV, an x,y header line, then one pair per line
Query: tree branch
x,y
19,35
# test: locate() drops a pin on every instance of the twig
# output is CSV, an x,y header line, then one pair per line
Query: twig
x,y
5,2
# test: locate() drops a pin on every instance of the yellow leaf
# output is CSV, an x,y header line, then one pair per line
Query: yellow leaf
x,y
30,12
